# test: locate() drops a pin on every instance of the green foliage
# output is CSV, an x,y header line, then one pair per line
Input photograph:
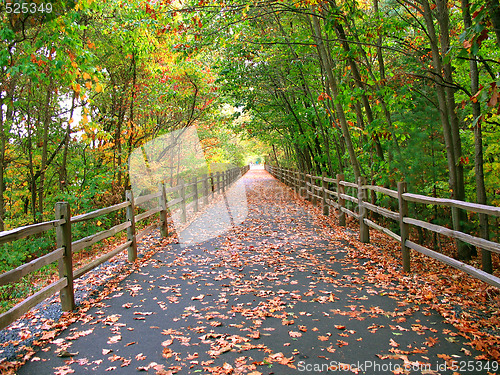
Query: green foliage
x,y
16,253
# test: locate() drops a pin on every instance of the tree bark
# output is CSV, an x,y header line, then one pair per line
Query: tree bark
x,y
465,251
45,145
332,81
493,7
359,83
63,169
2,165
447,114
478,146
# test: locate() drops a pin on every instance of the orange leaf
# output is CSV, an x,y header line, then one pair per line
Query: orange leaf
x,y
167,353
393,343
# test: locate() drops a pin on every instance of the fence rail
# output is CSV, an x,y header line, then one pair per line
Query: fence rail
x,y
65,247
331,192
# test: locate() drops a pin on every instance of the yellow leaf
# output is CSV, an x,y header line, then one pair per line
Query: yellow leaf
x,y
88,85
86,76
99,223
98,88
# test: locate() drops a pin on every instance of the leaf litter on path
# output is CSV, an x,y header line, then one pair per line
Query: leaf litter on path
x,y
284,289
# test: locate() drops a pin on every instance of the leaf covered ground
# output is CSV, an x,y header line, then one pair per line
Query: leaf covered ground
x,y
285,292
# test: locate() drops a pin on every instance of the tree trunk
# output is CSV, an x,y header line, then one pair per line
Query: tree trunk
x,y
118,145
383,80
478,146
63,170
45,140
465,251
493,7
2,166
332,81
447,114
359,83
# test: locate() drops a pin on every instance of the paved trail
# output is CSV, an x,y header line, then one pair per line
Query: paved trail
x,y
279,294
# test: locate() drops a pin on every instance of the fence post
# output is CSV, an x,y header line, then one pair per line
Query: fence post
x,y
205,189
303,185
313,190
218,181
132,249
403,212
324,186
195,190
65,264
341,201
308,186
224,180
297,181
212,184
364,231
163,212
183,201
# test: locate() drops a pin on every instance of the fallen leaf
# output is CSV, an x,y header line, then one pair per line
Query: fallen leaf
x,y
65,353
114,339
167,353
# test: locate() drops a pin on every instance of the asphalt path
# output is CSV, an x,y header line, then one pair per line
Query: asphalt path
x,y
279,293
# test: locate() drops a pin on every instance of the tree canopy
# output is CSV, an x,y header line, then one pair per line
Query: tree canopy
x,y
385,89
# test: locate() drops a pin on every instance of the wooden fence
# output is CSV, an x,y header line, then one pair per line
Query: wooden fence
x,y
319,189
66,246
